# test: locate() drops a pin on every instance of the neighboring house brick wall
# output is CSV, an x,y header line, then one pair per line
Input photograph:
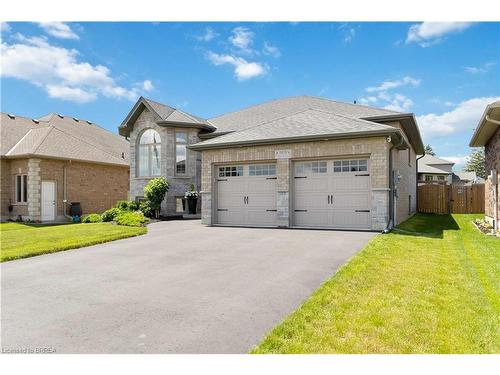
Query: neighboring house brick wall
x,y
11,168
376,148
492,162
178,184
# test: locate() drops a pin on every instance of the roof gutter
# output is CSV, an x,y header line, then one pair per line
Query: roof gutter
x,y
201,146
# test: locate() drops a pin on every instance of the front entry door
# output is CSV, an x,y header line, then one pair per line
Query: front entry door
x,y
48,200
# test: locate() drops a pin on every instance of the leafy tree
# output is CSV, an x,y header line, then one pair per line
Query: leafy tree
x,y
154,192
475,163
429,150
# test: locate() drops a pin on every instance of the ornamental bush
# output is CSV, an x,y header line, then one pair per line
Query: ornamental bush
x,y
110,214
130,218
127,205
146,209
92,218
154,192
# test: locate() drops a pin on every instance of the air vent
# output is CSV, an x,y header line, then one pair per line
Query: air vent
x,y
89,122
74,118
11,116
61,116
123,155
35,121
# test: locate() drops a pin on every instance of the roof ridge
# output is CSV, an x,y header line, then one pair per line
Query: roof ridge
x,y
90,123
351,104
42,139
187,114
349,118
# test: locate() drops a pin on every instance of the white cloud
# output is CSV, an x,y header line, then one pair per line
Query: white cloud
x,y
271,50
243,69
463,118
348,32
60,73
383,96
147,85
207,36
388,85
4,27
459,160
242,39
58,30
429,33
484,68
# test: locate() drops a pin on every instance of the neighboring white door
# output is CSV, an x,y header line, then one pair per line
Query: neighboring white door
x,y
48,200
246,194
332,194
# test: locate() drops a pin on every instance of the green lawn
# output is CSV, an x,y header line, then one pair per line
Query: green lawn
x,y
430,286
18,240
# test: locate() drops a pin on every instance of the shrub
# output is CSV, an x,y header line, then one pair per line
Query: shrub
x,y
146,209
130,218
155,191
127,205
92,218
110,214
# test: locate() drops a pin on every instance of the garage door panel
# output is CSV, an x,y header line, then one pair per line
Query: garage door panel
x,y
312,218
335,194
351,219
355,200
261,217
245,199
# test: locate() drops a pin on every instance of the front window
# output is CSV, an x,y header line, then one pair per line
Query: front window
x,y
149,154
180,152
441,178
21,188
428,178
231,171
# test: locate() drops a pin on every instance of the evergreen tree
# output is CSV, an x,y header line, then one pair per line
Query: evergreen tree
x,y
475,163
429,150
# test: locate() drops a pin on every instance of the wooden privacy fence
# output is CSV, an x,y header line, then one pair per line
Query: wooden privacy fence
x,y
450,199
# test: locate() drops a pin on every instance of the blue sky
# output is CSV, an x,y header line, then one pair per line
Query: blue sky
x,y
445,73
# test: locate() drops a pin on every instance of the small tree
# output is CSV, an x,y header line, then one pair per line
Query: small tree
x,y
429,150
154,192
476,163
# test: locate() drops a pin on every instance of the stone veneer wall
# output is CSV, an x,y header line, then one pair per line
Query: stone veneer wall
x,y
34,189
178,184
376,148
492,162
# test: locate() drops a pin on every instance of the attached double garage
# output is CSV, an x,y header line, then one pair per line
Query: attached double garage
x,y
337,184
325,193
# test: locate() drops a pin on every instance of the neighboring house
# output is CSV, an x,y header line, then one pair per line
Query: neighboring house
x,y
292,162
434,169
466,178
50,162
487,135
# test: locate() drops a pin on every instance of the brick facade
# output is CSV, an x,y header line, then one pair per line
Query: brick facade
x,y
178,184
492,162
96,186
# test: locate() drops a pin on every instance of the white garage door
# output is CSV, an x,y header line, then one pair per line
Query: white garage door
x,y
332,194
246,194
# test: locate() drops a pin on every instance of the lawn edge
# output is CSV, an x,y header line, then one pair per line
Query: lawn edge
x,y
90,243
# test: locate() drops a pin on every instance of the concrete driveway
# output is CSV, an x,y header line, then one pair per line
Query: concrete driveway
x,y
182,288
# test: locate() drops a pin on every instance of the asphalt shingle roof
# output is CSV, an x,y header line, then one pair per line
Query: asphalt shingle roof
x,y
265,112
302,124
61,137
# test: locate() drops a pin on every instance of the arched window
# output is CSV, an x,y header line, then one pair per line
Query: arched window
x,y
149,155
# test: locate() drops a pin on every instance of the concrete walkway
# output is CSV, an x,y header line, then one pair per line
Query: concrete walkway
x,y
182,288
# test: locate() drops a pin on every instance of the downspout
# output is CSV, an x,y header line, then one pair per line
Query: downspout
x,y
494,181
65,199
392,205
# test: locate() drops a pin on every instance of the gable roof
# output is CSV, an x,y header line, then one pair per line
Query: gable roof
x,y
163,114
61,137
307,124
432,164
488,125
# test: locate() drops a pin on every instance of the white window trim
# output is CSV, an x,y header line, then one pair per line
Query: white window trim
x,y
149,147
175,149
